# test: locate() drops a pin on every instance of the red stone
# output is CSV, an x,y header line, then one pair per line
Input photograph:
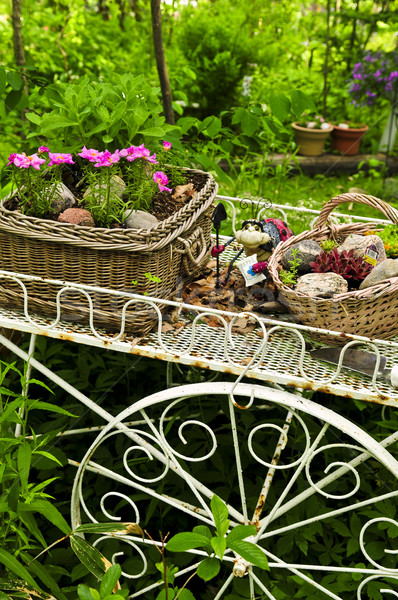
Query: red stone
x,y
77,216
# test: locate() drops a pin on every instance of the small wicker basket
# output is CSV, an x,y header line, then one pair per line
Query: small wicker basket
x,y
371,312
173,251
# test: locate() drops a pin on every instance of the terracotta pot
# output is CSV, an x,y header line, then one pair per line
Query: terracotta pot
x,y
310,141
346,140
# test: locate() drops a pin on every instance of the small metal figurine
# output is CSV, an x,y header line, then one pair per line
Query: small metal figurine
x,y
256,237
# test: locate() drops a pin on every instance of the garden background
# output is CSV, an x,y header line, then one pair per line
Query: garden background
x,y
239,73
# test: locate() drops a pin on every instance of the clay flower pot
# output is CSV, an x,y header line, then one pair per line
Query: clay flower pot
x,y
346,140
311,141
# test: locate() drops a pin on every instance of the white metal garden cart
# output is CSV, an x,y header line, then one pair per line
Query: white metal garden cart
x,y
263,438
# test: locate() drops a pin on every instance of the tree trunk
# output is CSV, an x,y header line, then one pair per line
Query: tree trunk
x,y
161,62
19,52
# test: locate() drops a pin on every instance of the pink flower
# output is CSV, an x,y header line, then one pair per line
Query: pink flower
x,y
134,152
59,159
25,162
161,179
91,154
43,149
11,159
166,145
107,159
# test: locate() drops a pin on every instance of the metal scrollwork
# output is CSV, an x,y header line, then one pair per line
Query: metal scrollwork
x,y
345,465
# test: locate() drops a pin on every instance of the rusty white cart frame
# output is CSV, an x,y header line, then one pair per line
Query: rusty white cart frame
x,y
261,436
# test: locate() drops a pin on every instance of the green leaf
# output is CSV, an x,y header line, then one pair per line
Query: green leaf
x,y
219,545
33,118
249,123
181,542
121,528
301,102
49,456
280,106
43,574
185,594
39,405
203,530
162,594
251,553
240,532
220,512
110,579
107,139
15,80
153,132
12,564
48,510
84,592
3,79
24,460
208,568
213,127
91,558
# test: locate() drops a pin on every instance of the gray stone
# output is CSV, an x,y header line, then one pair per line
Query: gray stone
x,y
321,285
61,197
308,250
139,219
117,187
385,270
391,188
359,243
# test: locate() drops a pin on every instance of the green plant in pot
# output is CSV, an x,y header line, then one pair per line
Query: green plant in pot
x,y
311,134
347,136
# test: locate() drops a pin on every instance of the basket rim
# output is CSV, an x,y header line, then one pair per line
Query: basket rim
x,y
99,237
384,287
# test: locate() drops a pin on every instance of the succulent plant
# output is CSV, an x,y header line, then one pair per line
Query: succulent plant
x,y
343,263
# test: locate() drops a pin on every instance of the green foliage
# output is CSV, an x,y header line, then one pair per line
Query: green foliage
x,y
218,47
389,235
123,111
106,589
289,278
217,544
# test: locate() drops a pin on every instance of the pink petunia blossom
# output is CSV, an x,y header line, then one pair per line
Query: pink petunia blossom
x,y
107,159
166,145
91,154
43,149
161,179
25,162
11,159
58,158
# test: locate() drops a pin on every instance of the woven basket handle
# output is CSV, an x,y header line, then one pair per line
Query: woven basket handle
x,y
388,211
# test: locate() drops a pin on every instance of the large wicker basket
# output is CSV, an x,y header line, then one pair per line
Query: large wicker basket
x,y
371,312
172,251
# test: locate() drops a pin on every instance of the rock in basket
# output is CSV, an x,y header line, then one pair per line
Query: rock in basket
x,y
370,312
171,252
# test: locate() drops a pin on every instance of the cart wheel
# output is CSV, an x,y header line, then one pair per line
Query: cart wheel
x,y
317,491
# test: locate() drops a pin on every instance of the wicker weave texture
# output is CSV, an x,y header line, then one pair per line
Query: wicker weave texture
x,y
173,251
370,312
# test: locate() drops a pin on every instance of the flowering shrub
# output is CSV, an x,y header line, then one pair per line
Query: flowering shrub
x,y
316,122
376,75
113,182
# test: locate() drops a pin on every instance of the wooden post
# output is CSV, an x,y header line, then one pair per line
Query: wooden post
x,y
161,61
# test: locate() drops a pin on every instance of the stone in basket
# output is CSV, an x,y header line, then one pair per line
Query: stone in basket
x,y
170,252
369,312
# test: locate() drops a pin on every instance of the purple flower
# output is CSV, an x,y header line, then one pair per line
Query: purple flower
x,y
11,159
162,180
166,145
43,149
60,159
